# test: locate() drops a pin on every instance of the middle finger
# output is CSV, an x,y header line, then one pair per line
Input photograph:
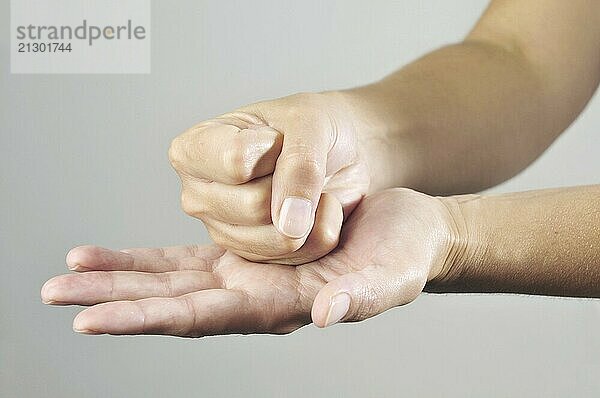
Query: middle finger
x,y
248,204
101,286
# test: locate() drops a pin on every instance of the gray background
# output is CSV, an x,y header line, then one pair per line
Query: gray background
x,y
84,161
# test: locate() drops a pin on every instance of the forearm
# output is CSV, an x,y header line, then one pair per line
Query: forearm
x,y
539,242
461,119
468,116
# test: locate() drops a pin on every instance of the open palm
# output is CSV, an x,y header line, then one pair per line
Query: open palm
x,y
393,243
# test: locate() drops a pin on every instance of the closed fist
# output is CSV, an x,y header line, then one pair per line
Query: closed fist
x,y
273,181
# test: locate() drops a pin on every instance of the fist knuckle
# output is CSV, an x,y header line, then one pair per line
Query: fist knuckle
x,y
177,151
237,165
191,205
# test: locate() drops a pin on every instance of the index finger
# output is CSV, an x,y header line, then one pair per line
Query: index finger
x,y
224,152
203,313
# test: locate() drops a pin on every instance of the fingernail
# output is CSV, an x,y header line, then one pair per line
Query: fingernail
x,y
294,218
338,308
78,326
46,293
72,260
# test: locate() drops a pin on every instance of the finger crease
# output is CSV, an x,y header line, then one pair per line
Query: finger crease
x,y
167,284
192,310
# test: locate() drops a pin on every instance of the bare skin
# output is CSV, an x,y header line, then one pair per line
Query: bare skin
x,y
460,119
538,242
236,171
395,244
199,291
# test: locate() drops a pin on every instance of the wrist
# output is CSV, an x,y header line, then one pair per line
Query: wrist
x,y
465,246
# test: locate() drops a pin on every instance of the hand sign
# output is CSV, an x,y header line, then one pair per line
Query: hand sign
x,y
394,242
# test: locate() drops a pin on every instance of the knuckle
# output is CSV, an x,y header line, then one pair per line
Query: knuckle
x,y
237,165
190,326
166,282
303,163
177,151
307,107
191,205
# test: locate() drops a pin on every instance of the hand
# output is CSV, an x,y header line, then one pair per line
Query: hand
x,y
255,177
394,242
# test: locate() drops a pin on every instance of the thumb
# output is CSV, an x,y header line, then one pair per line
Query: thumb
x,y
299,178
363,294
